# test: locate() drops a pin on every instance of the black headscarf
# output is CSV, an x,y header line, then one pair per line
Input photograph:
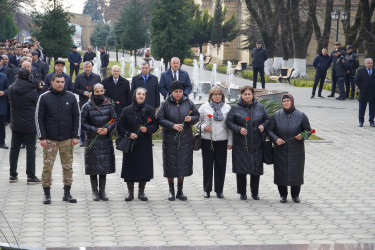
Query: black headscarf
x,y
291,98
136,106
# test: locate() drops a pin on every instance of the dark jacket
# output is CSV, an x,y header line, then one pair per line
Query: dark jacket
x,y
119,93
341,66
322,63
137,164
57,116
104,58
85,83
250,162
153,95
259,57
68,81
177,153
366,84
23,97
89,56
289,159
74,57
40,67
100,159
4,84
352,62
7,71
11,68
166,79
334,59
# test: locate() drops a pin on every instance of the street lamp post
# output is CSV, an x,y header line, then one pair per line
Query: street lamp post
x,y
335,15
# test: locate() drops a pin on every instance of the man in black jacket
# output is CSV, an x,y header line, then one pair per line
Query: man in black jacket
x,y
117,89
84,86
58,124
150,83
341,69
89,55
104,58
23,97
259,56
75,60
365,80
321,63
38,65
353,64
9,65
334,60
59,68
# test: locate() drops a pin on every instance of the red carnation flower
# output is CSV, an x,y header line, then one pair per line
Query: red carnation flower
x,y
313,131
247,118
89,87
209,116
149,119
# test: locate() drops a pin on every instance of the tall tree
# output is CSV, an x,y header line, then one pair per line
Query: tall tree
x,y
134,27
93,8
8,28
202,28
322,38
171,29
100,34
52,29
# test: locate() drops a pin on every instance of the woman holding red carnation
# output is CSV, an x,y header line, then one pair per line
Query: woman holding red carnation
x,y
289,155
216,140
138,122
98,120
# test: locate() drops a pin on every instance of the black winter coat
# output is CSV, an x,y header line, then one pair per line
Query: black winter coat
x,y
289,159
137,165
4,84
68,81
366,84
84,83
341,66
177,160
89,56
104,58
259,57
352,62
152,86
250,162
57,116
119,93
74,57
322,63
23,97
100,159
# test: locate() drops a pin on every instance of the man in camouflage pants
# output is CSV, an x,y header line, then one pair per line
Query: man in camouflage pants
x,y
58,122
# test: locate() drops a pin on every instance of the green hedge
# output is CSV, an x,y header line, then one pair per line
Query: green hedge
x,y
219,68
247,74
188,61
306,84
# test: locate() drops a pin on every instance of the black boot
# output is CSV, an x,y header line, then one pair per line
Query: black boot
x,y
130,191
47,195
171,196
141,192
180,195
102,181
67,197
94,188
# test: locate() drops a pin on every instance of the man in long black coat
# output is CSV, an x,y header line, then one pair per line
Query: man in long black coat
x,y
365,80
259,56
150,83
117,89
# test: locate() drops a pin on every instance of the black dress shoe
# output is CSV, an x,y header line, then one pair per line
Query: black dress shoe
x,y
255,197
372,124
360,124
340,99
81,144
312,97
220,195
331,95
283,199
206,195
296,200
243,197
4,146
320,96
351,98
23,146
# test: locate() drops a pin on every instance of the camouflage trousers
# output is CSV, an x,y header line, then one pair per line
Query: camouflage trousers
x,y
65,149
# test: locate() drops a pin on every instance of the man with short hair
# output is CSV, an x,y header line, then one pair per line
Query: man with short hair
x,y
259,56
341,69
2,49
150,83
104,58
321,63
18,56
117,89
59,68
84,86
365,80
5,70
89,55
333,67
39,66
75,60
353,64
25,51
7,64
58,124
174,73
23,97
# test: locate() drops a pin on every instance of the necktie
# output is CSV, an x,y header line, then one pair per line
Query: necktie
x,y
145,79
174,76
369,72
115,81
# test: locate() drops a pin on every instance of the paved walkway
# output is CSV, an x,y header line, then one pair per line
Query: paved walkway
x,y
338,198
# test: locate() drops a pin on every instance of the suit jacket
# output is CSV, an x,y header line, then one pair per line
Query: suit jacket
x,y
366,84
85,83
153,95
119,93
4,84
167,78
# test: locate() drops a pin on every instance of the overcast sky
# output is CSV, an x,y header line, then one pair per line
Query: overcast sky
x,y
76,6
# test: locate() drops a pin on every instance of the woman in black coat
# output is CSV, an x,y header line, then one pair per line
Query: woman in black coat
x,y
176,115
98,118
289,156
247,120
138,122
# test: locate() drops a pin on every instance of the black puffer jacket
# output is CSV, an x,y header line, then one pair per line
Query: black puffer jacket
x,y
289,159
259,57
100,159
250,162
177,161
57,116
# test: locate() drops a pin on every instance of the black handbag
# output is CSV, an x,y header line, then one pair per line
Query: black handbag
x,y
267,151
123,143
197,140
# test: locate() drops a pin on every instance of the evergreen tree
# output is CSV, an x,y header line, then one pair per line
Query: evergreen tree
x,y
92,8
171,29
8,28
100,34
52,29
202,28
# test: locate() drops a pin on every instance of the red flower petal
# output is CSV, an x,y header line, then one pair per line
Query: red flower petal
x,y
117,102
89,87
247,118
313,131
191,111
209,116
149,119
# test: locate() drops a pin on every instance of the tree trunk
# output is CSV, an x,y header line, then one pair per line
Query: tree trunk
x,y
322,39
268,66
200,49
116,54
135,58
166,65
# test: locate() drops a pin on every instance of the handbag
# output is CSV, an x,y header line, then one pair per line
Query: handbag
x,y
123,143
267,151
197,140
